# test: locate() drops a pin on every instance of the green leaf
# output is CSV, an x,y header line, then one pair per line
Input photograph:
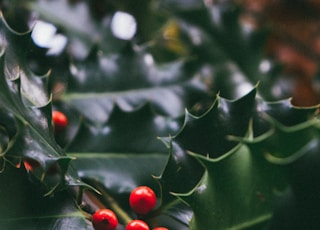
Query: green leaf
x,y
301,136
180,167
132,132
229,49
241,146
231,118
225,168
131,79
206,135
125,153
235,191
243,181
24,206
26,106
118,174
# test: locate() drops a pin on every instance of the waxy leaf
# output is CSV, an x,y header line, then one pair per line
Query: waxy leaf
x,y
124,153
24,206
243,163
238,186
133,132
207,135
229,48
131,79
26,112
234,183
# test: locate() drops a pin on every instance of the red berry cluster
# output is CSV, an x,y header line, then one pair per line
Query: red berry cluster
x,y
142,200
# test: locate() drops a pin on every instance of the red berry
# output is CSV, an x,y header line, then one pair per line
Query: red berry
x,y
137,225
104,219
160,228
60,120
142,200
30,164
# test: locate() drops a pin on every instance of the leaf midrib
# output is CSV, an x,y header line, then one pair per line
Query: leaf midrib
x,y
72,214
95,95
114,155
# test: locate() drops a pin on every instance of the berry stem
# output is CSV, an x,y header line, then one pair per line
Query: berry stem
x,y
122,215
79,196
86,215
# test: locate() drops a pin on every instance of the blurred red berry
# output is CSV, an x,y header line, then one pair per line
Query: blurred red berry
x,y
30,164
60,120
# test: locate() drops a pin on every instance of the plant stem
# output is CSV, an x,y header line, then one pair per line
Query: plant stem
x,y
122,215
79,196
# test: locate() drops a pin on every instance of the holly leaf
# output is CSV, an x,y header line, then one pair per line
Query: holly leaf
x,y
100,153
199,134
292,123
125,153
244,180
131,78
24,206
233,191
26,105
244,162
138,129
229,49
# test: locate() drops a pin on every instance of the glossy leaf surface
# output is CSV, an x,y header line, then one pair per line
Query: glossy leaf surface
x,y
245,178
131,79
24,206
183,106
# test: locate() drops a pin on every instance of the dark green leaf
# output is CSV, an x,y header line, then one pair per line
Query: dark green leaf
x,y
24,206
237,188
126,132
125,153
235,192
27,111
131,79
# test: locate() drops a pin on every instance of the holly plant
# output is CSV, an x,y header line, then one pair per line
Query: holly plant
x,y
169,123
